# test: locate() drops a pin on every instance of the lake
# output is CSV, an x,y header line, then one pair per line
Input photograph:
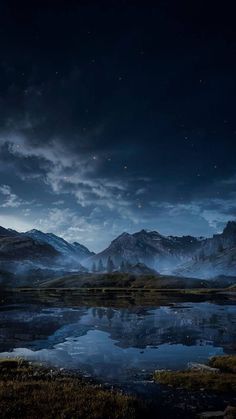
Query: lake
x,y
116,343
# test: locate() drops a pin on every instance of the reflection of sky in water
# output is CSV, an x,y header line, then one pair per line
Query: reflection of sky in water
x,y
113,343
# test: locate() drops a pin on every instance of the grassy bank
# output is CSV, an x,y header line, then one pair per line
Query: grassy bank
x,y
29,391
221,381
118,280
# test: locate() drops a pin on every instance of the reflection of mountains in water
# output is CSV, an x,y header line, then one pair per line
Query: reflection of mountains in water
x,y
36,327
188,324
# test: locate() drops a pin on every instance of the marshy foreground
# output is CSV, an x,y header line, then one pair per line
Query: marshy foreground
x,y
33,391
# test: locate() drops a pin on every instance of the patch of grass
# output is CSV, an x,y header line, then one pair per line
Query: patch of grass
x,y
30,392
225,363
222,381
196,380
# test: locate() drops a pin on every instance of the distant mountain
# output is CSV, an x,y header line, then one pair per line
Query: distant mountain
x,y
150,248
19,247
34,255
144,252
223,263
85,252
34,244
7,232
216,256
220,242
186,255
75,250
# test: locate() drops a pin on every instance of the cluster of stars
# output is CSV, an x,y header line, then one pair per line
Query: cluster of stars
x,y
94,157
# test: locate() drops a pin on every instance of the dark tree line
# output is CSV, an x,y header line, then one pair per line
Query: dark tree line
x,y
110,266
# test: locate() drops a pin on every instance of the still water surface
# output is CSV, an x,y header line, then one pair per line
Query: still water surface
x,y
118,345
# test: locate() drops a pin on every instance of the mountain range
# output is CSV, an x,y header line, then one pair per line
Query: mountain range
x,y
36,244
186,255
150,247
144,252
35,254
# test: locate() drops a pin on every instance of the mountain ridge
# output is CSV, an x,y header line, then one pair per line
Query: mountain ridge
x,y
34,254
146,245
73,250
146,249
175,254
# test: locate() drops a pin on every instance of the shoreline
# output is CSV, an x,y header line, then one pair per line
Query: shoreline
x,y
27,388
200,291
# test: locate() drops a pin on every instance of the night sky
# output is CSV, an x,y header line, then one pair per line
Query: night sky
x,y
117,116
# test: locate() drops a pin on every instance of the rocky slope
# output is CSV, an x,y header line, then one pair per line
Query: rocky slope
x,y
18,247
150,248
76,251
7,232
216,256
33,256
187,255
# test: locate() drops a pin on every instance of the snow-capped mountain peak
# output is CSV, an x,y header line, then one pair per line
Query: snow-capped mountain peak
x,y
65,248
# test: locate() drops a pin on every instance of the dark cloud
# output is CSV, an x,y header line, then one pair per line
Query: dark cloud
x,y
123,112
